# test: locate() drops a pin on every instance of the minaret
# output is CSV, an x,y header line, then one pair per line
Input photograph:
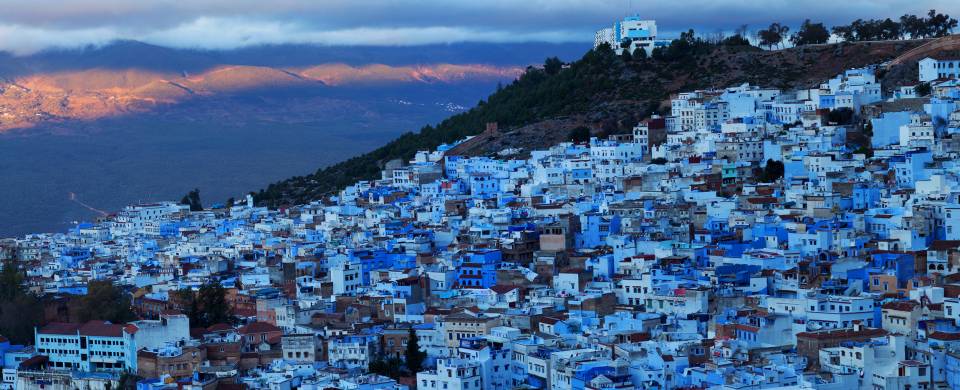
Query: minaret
x,y
288,265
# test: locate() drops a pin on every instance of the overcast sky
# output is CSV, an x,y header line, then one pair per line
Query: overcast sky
x,y
28,26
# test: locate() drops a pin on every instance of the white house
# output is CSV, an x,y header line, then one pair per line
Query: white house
x,y
939,68
93,346
452,374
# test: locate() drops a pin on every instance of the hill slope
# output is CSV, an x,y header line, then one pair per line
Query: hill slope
x,y
602,91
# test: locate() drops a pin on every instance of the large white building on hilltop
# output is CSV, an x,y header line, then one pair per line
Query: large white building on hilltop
x,y
630,33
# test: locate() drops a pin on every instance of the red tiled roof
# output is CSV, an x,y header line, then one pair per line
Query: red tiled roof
x,y
91,328
33,362
275,339
221,327
103,329
900,305
944,336
941,245
258,327
60,328
549,320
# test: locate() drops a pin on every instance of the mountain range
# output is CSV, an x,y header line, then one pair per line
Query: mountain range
x,y
132,77
88,94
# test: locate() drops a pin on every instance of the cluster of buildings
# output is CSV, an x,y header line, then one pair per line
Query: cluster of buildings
x,y
739,242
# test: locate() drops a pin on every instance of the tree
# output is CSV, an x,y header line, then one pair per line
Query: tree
x,y
844,32
11,281
19,312
603,49
212,302
741,31
208,306
413,356
864,30
810,34
658,161
922,89
773,35
771,172
736,40
934,25
639,54
188,300
105,302
912,26
552,65
626,56
657,53
377,366
939,25
689,37
716,37
889,30
128,381
389,367
192,199
840,116
580,134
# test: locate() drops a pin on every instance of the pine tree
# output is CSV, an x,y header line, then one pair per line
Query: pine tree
x,y
212,301
11,281
414,357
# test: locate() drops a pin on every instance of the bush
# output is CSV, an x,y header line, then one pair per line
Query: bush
x,y
580,134
841,116
771,172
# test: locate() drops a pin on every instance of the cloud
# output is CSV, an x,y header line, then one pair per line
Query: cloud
x,y
26,27
229,33
25,40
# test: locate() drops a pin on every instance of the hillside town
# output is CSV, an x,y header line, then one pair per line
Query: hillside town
x,y
737,241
